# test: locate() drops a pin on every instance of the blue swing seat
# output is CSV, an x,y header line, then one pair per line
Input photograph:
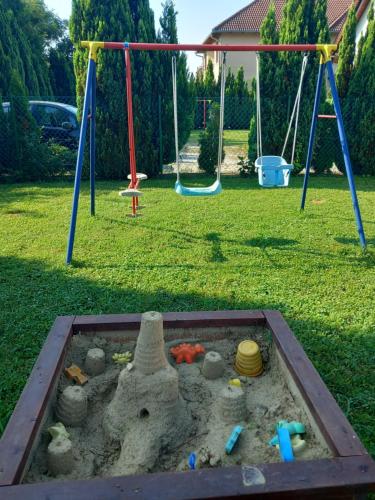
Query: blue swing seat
x,y
273,171
212,190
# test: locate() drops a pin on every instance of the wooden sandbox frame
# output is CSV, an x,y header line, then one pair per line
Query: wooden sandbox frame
x,y
349,473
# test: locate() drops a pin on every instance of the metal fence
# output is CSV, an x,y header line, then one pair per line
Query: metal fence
x,y
42,133
37,131
240,138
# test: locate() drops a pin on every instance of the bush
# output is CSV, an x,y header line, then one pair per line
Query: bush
x,y
246,167
209,142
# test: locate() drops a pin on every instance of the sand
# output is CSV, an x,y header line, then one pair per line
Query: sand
x,y
201,428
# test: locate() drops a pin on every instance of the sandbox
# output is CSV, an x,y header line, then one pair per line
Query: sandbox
x,y
139,423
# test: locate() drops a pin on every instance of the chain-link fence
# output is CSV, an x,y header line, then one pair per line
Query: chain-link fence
x,y
240,136
38,137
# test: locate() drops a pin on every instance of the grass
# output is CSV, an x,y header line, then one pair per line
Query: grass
x,y
245,249
231,137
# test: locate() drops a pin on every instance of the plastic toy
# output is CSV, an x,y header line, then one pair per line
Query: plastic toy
x,y
236,382
292,427
187,352
285,445
249,359
75,373
58,431
122,358
233,439
298,444
192,461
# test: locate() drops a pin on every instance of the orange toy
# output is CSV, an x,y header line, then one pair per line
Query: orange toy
x,y
75,373
187,352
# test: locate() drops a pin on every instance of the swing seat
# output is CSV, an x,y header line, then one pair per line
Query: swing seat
x,y
212,190
131,193
273,171
140,177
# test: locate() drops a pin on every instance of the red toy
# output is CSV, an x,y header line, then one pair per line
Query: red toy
x,y
187,352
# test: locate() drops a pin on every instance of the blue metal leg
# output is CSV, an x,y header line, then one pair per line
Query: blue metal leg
x,y
314,122
81,149
92,141
345,152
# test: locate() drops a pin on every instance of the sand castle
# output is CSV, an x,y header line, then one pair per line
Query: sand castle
x,y
149,396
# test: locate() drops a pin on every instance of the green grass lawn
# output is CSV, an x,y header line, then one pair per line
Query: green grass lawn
x,y
231,137
245,249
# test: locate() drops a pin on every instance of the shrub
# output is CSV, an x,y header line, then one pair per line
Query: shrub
x,y
209,142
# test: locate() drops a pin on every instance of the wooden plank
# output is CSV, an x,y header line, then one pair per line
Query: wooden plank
x,y
328,415
326,479
195,319
24,423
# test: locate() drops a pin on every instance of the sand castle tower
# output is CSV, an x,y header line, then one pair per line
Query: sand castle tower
x,y
147,412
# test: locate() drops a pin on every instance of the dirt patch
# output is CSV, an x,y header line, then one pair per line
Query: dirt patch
x,y
268,400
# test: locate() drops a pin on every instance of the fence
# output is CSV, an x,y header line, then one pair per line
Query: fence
x,y
240,136
39,137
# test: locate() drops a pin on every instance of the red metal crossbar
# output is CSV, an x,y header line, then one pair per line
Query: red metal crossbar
x,y
328,117
212,48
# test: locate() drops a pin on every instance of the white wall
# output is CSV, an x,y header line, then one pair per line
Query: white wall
x,y
236,59
362,24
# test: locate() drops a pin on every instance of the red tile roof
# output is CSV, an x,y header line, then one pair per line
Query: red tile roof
x,y
250,18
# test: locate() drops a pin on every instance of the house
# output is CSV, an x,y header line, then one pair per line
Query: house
x,y
363,9
243,27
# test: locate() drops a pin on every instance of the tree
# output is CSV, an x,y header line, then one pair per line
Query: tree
x,y
230,98
347,53
185,86
210,88
242,103
61,70
359,106
119,20
270,88
209,142
29,157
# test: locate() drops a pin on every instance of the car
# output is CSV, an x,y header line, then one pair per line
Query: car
x,y
57,121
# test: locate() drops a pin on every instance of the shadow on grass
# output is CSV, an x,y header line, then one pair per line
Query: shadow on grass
x,y
265,242
216,252
33,295
353,241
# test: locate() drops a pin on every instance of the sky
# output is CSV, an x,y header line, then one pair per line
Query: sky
x,y
195,20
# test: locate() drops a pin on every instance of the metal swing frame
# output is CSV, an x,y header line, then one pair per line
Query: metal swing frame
x,y
89,108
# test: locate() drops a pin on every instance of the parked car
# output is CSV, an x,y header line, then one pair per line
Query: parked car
x,y
57,121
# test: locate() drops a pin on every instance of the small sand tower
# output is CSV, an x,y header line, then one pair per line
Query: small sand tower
x,y
147,395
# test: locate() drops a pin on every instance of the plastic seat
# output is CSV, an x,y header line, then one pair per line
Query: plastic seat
x,y
131,193
140,177
273,171
212,190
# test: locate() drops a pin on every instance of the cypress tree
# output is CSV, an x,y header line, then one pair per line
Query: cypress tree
x,y
29,158
303,22
346,53
61,69
185,87
242,101
4,138
230,101
210,88
209,142
270,90
119,20
359,104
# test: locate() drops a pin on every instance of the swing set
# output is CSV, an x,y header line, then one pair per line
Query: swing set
x,y
273,171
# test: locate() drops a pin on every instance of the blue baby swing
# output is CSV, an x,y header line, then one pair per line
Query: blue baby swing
x,y
274,171
216,187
